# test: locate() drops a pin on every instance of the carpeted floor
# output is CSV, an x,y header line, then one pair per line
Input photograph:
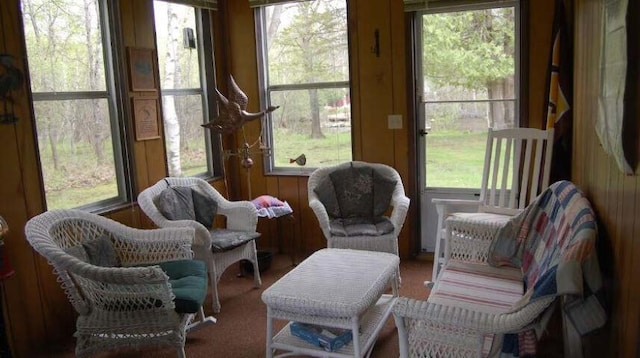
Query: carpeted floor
x,y
240,331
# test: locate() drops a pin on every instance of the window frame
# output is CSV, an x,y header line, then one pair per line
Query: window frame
x,y
206,62
266,89
113,93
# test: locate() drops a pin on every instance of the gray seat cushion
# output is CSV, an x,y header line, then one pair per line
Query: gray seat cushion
x,y
375,226
225,239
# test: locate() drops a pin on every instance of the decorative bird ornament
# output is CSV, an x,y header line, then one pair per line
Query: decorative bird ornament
x,y
232,111
301,160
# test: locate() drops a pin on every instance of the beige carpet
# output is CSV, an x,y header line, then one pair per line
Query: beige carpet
x,y
240,331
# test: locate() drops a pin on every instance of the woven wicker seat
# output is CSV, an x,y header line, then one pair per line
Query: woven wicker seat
x,y
241,220
130,305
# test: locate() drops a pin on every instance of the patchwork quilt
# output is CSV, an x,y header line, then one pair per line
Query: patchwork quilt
x,y
553,243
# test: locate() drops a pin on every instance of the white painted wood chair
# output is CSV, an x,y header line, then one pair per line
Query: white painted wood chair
x,y
516,169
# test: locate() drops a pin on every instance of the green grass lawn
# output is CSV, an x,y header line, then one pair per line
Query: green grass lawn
x,y
454,159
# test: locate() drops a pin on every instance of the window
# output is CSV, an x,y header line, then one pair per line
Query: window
x,y
185,58
305,71
468,60
74,102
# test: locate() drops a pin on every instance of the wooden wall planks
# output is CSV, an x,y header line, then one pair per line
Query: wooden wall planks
x,y
615,197
37,313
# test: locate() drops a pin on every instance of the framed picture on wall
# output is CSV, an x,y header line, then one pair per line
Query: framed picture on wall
x,y
142,69
145,118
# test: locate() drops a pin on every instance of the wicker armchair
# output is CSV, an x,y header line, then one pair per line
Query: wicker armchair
x,y
367,235
241,219
131,305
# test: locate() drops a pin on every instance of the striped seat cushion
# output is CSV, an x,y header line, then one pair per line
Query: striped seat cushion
x,y
478,287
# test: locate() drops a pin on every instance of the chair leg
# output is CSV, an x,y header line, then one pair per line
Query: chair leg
x,y
257,281
214,286
201,322
181,352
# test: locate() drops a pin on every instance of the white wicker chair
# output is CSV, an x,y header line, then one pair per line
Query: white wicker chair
x,y
516,169
474,303
399,202
240,215
129,306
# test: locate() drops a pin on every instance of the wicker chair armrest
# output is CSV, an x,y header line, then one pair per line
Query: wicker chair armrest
x,y
154,246
152,274
400,205
241,215
469,240
321,214
469,320
129,289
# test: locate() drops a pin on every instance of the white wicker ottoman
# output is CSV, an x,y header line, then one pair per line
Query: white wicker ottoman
x,y
338,288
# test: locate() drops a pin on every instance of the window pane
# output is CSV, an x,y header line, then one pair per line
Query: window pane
x,y
307,72
324,140
469,55
469,72
64,45
190,144
76,152
179,59
177,45
307,42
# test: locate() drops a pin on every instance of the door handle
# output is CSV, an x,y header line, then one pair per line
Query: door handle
x,y
423,132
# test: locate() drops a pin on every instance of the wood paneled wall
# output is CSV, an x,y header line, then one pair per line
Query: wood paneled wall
x,y
615,197
378,88
37,313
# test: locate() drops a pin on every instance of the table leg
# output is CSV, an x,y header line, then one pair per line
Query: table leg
x,y
355,331
269,337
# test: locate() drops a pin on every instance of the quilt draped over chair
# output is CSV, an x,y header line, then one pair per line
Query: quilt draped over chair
x,y
544,253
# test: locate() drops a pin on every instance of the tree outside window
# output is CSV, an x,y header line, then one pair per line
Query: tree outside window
x,y
184,106
74,104
306,71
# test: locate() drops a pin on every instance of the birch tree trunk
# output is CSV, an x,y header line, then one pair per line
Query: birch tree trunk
x,y
171,123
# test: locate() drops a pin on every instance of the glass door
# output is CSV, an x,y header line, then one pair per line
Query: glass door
x,y
467,82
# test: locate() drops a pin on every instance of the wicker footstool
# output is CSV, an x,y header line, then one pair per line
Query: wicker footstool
x,y
338,288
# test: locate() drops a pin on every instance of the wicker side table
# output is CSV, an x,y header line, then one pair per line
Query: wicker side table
x,y
337,288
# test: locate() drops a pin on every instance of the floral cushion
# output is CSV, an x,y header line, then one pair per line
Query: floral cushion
x,y
375,226
327,195
225,239
354,191
382,193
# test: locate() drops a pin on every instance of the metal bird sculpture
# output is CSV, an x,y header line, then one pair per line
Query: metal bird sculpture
x,y
233,111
